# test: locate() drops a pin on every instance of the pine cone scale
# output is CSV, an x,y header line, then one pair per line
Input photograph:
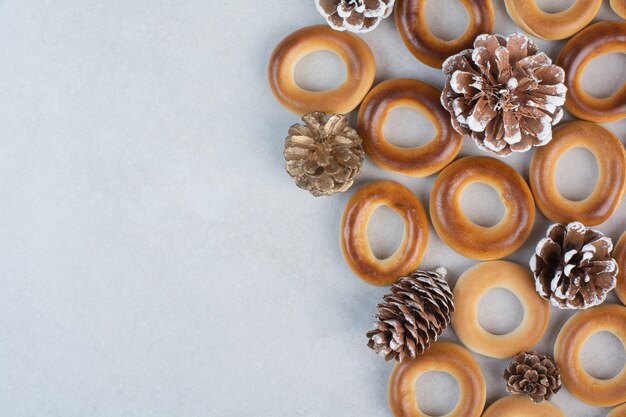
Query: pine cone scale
x,y
534,375
324,155
355,15
573,267
412,316
504,94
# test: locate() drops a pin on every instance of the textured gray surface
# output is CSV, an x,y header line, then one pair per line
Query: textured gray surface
x,y
155,258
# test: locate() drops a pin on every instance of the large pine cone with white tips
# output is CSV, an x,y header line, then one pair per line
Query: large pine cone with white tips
x,y
412,316
357,16
573,267
504,94
534,375
324,154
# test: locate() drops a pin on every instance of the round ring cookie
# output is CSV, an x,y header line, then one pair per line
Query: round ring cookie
x,y
520,406
443,357
619,7
611,160
424,45
420,161
469,289
619,411
581,326
596,40
353,232
552,26
352,50
619,254
463,235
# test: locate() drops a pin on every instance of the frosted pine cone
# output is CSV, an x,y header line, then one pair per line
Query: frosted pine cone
x,y
325,154
412,316
534,375
504,94
573,267
357,16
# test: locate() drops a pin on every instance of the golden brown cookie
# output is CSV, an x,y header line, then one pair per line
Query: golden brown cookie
x,y
553,26
420,161
442,357
619,411
520,406
352,50
355,245
599,392
469,289
463,235
431,50
596,40
611,159
619,7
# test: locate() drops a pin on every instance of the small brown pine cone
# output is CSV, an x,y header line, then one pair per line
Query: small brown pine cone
x,y
325,154
357,16
573,267
412,316
534,375
504,94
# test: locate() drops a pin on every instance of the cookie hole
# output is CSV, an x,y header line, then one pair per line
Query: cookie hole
x,y
482,205
554,6
499,311
602,355
597,78
437,393
320,71
407,128
385,230
576,174
450,24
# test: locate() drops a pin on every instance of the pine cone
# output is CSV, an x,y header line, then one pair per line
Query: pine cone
x,y
534,375
325,154
412,316
504,93
357,16
573,267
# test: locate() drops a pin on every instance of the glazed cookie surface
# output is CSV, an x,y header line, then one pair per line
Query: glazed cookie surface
x,y
619,411
420,161
611,158
619,7
352,50
598,392
428,48
441,357
596,40
353,238
533,20
474,284
520,406
463,235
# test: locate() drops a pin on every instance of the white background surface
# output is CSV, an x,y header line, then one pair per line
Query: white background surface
x,y
155,258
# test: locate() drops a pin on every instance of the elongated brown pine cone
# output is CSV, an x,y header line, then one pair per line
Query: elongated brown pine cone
x,y
412,316
325,154
534,375
504,94
357,16
573,267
